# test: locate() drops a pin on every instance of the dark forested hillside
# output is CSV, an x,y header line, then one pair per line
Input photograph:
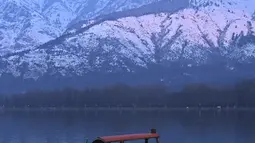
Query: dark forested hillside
x,y
195,95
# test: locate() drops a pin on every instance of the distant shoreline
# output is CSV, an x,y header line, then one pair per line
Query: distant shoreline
x,y
127,109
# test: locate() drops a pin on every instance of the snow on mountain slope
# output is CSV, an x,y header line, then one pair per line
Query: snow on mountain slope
x,y
196,27
245,5
167,6
187,29
25,24
20,27
193,36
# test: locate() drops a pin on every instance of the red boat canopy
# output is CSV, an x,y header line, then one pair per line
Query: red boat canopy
x,y
128,137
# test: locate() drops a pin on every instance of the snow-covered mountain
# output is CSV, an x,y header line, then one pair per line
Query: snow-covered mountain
x,y
25,24
195,40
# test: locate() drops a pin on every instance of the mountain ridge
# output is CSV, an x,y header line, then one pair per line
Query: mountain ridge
x,y
26,24
203,42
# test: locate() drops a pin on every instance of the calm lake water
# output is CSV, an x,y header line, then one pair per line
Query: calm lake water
x,y
174,127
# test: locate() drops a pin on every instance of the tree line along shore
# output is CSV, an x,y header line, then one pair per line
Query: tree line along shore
x,y
241,96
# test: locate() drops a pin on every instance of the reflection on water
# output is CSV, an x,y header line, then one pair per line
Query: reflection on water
x,y
174,127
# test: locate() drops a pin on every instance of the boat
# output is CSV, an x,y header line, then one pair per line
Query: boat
x,y
128,137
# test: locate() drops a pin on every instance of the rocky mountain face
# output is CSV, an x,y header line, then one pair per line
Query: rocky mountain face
x,y
25,24
169,41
